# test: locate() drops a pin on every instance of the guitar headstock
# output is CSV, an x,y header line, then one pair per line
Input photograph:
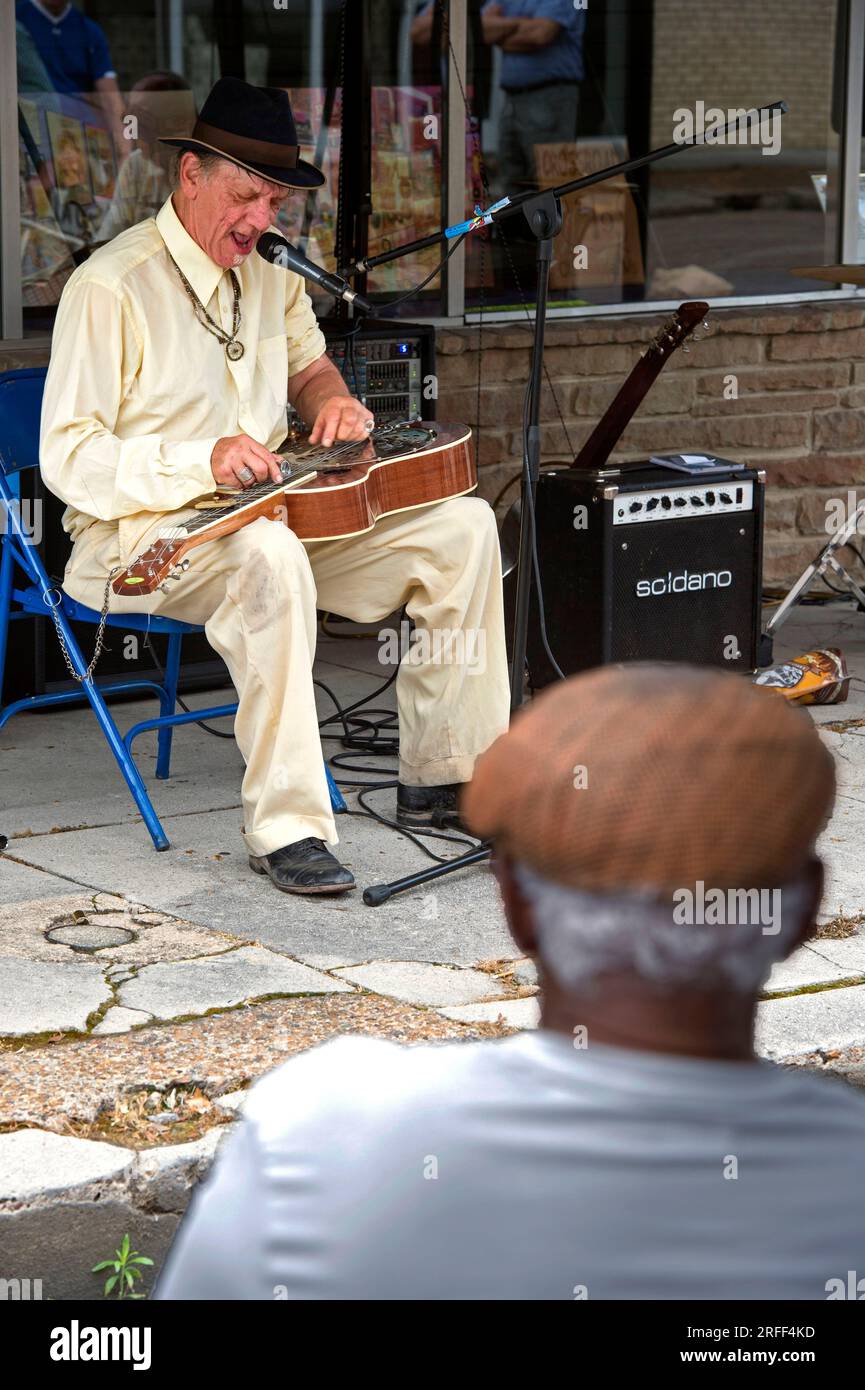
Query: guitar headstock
x,y
151,570
680,327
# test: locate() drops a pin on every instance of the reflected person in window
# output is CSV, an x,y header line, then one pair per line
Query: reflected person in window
x,y
75,52
541,42
162,105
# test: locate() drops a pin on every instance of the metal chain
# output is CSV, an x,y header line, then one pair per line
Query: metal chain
x,y
227,339
100,631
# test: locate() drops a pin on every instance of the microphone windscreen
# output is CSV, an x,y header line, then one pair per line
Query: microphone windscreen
x,y
268,244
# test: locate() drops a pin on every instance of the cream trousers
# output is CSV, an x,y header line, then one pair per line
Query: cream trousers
x,y
256,593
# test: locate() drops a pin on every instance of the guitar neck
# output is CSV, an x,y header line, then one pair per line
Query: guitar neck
x,y
616,418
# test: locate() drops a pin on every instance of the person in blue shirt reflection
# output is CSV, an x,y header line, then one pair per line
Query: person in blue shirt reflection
x,y
75,55
541,43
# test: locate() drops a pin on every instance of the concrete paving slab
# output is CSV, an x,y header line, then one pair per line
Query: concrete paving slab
x,y
418,982
186,988
116,933
458,919
516,1013
118,1020
20,882
36,997
35,1164
804,967
217,1053
206,772
802,1023
162,1177
840,846
848,953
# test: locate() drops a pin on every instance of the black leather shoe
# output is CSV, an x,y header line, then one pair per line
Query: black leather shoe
x,y
433,807
307,866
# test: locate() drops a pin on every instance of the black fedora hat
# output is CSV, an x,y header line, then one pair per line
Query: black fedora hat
x,y
252,127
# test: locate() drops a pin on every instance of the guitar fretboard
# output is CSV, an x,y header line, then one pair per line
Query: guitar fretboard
x,y
314,460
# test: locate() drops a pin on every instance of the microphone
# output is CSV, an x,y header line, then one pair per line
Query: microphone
x,y
278,251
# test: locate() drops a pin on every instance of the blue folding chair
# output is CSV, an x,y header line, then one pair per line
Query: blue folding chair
x,y
40,596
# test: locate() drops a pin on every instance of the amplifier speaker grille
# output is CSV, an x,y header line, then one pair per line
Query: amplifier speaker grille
x,y
682,588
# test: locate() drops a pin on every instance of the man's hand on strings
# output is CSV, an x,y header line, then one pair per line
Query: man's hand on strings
x,y
340,417
238,461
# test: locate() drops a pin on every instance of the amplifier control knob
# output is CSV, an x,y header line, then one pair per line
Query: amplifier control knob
x,y
680,502
651,504
696,501
725,497
710,498
666,503
635,507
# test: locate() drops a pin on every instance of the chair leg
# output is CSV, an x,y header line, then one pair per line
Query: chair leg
x,y
172,677
337,800
5,604
131,775
127,766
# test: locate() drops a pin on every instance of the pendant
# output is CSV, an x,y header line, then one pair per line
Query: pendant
x,y
234,351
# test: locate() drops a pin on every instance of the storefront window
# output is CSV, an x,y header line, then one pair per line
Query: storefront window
x,y
555,89
99,84
562,90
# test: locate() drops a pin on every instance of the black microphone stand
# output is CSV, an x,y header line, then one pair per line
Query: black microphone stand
x,y
543,213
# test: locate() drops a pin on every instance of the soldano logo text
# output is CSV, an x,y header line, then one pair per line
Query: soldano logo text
x,y
684,581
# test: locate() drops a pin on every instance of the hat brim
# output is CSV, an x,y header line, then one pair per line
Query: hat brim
x,y
303,175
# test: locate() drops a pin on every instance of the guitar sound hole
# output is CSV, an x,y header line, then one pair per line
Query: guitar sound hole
x,y
405,440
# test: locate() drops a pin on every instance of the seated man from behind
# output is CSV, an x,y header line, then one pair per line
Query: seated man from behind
x,y
655,831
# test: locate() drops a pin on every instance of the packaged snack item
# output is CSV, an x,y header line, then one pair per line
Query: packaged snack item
x,y
816,678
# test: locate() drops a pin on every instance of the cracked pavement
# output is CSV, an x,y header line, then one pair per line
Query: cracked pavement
x,y
122,969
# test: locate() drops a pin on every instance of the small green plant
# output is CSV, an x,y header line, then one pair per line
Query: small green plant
x,y
125,1265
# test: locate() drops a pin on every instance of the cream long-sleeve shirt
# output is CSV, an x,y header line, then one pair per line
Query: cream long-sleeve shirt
x,y
138,392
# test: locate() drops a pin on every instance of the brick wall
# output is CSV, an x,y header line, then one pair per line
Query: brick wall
x,y
800,411
740,53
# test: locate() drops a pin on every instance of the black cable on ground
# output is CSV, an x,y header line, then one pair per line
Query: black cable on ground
x,y
367,731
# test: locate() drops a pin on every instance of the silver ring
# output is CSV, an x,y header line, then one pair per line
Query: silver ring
x,y
369,426
246,475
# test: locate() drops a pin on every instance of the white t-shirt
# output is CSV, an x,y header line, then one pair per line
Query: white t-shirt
x,y
529,1169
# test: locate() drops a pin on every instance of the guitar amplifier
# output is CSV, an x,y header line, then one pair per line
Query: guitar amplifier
x,y
645,563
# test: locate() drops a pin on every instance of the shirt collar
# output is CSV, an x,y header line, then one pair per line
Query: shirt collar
x,y
202,273
52,18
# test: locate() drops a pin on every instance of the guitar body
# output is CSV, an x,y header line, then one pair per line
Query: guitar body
x,y
338,493
332,506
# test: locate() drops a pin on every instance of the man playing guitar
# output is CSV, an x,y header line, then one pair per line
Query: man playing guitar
x,y
174,351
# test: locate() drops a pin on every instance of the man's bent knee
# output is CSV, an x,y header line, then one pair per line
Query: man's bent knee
x,y
272,566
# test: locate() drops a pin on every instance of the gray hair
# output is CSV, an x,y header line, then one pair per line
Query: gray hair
x,y
583,935
207,159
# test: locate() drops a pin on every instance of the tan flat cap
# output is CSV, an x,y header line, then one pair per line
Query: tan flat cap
x,y
652,777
